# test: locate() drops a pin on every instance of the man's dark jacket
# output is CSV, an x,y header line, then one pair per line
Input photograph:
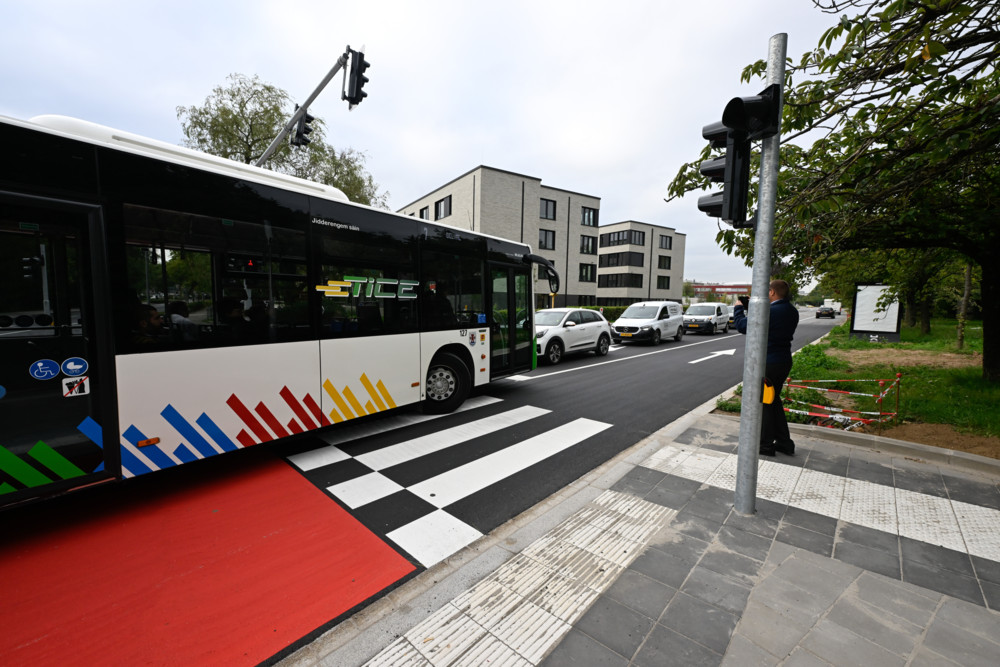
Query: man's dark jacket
x,y
784,319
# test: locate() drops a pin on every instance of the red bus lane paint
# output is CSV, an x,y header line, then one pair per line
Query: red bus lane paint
x,y
229,572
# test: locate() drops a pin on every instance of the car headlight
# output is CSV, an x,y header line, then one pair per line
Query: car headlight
x,y
645,328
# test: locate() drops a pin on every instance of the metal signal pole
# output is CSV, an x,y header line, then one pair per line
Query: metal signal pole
x,y
757,324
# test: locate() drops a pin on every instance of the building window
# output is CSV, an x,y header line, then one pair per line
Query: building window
x,y
666,242
662,282
626,237
548,209
664,261
425,213
588,245
546,239
620,280
589,218
442,208
621,259
588,273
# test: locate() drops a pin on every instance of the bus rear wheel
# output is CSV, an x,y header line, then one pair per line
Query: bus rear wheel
x,y
448,384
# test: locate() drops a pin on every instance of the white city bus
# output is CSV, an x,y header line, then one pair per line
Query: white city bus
x,y
161,306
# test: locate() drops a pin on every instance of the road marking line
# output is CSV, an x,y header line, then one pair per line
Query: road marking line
x,y
365,489
465,480
432,538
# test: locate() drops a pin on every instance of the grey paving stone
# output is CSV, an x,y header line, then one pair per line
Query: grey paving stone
x,y
744,653
972,618
873,560
717,589
925,657
680,484
870,471
789,600
712,504
960,645
803,658
776,633
661,495
816,575
743,542
679,545
577,648
697,620
833,464
811,521
731,564
757,524
728,448
921,481
693,436
988,570
633,485
695,525
898,598
868,537
886,630
663,567
991,592
614,625
971,491
805,539
943,581
641,593
836,644
663,646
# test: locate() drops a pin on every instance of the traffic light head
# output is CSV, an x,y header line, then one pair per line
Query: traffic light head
x,y
357,79
756,115
732,170
302,129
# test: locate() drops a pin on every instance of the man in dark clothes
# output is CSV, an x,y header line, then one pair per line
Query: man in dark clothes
x,y
784,319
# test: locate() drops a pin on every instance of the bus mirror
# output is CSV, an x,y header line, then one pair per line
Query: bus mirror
x,y
553,279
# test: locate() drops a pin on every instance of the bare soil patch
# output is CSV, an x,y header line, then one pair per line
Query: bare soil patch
x,y
907,358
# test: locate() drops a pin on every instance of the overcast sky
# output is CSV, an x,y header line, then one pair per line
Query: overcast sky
x,y
606,99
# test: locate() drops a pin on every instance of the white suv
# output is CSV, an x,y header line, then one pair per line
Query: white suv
x,y
649,321
562,330
707,318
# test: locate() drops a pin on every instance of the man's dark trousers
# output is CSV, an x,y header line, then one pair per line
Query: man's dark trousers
x,y
774,427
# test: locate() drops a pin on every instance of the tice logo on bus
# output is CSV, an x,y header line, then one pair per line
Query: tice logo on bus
x,y
373,287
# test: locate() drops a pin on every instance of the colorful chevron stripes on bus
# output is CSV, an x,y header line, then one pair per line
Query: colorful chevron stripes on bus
x,y
57,467
260,424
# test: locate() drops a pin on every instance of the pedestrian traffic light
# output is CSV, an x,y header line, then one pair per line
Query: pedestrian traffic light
x,y
732,170
302,129
744,119
357,79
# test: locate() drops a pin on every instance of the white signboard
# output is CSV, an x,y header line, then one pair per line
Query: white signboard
x,y
867,317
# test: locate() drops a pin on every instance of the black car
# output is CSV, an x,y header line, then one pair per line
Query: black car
x,y
826,311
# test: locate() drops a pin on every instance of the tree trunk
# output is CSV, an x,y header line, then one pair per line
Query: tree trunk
x,y
991,320
925,315
909,309
963,306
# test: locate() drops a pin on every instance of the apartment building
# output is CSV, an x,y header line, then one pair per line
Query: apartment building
x,y
639,261
560,225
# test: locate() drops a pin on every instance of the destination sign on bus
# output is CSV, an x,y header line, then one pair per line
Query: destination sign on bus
x,y
373,287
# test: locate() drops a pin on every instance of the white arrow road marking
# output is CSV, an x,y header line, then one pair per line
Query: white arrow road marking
x,y
714,355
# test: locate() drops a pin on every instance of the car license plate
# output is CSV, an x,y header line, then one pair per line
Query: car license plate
x,y
692,326
626,335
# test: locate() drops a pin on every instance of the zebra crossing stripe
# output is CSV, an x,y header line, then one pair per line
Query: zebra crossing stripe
x,y
451,486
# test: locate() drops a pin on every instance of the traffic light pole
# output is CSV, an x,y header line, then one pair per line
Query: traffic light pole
x,y
759,309
341,63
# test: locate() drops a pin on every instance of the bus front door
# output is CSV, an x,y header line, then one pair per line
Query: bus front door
x,y
511,331
52,370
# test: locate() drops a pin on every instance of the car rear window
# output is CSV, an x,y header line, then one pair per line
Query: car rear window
x,y
701,310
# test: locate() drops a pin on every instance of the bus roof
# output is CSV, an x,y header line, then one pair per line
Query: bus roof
x,y
99,134
94,133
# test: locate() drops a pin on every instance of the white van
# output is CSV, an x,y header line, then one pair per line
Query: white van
x,y
707,318
649,321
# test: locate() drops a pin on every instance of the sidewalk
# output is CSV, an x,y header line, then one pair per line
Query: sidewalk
x,y
864,550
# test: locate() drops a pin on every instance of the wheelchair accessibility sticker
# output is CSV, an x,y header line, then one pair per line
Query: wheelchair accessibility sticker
x,y
44,369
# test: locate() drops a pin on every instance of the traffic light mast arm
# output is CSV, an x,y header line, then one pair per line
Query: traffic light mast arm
x,y
341,63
